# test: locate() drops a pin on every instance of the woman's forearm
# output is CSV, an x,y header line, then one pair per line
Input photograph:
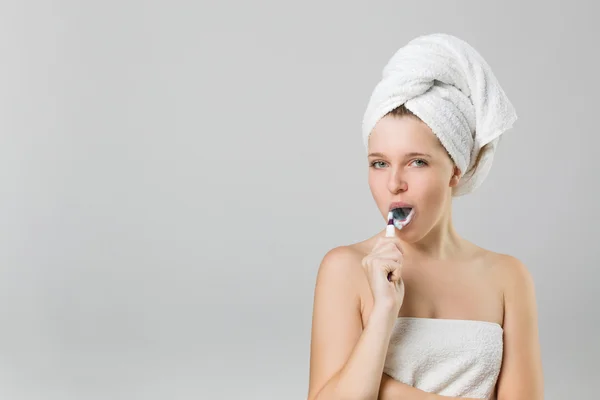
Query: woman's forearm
x,y
391,389
360,377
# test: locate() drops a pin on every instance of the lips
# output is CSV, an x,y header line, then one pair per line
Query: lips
x,y
399,204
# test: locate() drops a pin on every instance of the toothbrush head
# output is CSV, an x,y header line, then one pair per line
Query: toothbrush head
x,y
401,216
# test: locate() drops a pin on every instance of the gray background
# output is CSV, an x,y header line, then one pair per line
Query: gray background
x,y
173,172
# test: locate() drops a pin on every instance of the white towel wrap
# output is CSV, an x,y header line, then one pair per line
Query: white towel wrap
x,y
457,358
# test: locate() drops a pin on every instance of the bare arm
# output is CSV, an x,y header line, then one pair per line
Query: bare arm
x,y
391,389
521,374
346,361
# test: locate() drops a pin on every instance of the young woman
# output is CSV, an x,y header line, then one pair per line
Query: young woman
x,y
426,314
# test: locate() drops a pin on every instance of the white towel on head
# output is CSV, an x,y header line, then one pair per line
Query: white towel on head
x,y
447,84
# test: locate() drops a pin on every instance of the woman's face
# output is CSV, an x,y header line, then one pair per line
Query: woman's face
x,y
407,163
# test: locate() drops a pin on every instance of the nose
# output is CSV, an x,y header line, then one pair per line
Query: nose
x,y
397,183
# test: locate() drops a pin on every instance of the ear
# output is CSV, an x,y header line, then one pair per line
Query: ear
x,y
455,176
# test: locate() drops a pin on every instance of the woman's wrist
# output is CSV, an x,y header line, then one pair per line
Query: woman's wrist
x,y
384,312
386,307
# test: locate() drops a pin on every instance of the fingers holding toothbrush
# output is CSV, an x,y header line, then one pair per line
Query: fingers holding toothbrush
x,y
383,267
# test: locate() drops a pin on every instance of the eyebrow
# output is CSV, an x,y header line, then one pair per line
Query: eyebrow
x,y
411,154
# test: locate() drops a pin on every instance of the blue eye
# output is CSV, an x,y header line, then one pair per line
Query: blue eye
x,y
423,161
376,162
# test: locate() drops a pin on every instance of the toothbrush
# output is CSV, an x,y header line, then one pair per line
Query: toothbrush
x,y
390,228
389,232
399,223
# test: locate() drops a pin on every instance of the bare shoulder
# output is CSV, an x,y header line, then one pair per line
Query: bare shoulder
x,y
341,270
512,273
341,257
342,261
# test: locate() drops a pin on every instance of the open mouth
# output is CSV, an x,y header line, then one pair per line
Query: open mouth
x,y
402,216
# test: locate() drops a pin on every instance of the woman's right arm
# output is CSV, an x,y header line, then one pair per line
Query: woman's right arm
x,y
346,362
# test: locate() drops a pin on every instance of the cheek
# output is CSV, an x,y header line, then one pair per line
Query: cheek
x,y
431,187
